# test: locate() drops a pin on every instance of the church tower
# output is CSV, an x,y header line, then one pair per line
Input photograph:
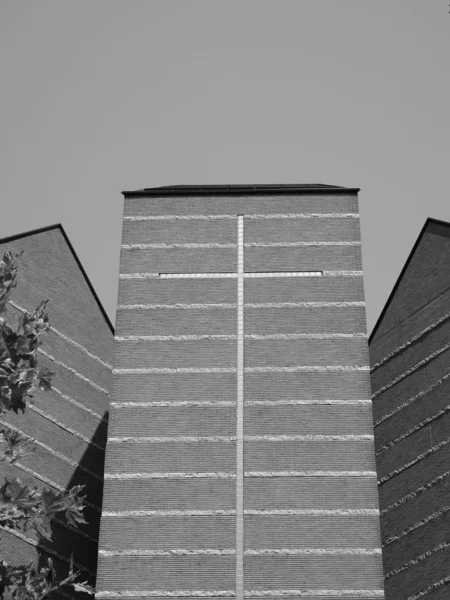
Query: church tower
x,y
240,458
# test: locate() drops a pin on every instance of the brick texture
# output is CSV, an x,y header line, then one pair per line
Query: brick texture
x,y
69,422
308,455
411,383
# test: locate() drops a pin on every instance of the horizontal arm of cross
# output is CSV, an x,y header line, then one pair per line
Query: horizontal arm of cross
x,y
245,275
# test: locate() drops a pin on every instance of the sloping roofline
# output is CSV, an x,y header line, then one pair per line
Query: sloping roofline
x,y
236,189
19,236
429,221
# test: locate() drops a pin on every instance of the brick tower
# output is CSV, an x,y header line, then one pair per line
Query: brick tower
x,y
240,458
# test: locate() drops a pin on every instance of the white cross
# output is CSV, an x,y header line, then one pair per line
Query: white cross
x,y
240,275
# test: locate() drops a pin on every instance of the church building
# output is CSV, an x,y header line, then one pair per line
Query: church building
x,y
240,459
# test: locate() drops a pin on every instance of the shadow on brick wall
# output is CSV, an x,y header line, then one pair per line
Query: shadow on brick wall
x,y
82,542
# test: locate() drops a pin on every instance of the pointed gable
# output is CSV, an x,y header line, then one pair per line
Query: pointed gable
x,y
419,290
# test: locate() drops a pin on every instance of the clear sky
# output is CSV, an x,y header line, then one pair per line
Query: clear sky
x,y
103,96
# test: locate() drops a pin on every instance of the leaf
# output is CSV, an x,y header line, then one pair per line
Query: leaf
x,y
45,378
83,587
17,445
43,527
48,496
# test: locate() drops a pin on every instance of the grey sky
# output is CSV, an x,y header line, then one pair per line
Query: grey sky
x,y
104,96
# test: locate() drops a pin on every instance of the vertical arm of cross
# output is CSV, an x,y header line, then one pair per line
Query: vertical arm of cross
x,y
240,417
240,275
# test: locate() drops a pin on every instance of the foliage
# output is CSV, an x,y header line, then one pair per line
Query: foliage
x,y
15,445
8,272
19,372
23,507
28,583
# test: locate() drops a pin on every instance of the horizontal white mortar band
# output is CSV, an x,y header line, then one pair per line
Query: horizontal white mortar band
x,y
230,403
234,275
166,593
301,304
198,275
429,589
79,405
247,438
216,475
357,594
64,458
248,275
251,336
310,551
304,216
169,246
68,339
171,552
226,245
411,400
65,427
226,305
177,217
248,552
80,375
418,559
301,368
297,244
310,473
252,216
230,475
432,517
139,276
343,273
51,483
244,275
411,495
413,430
412,462
308,438
175,403
31,542
306,401
312,512
174,306
315,512
410,341
170,371
304,336
422,362
334,593
306,368
165,438
169,513
174,338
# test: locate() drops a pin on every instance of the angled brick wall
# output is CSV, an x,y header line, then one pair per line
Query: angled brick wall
x,y
171,516
410,357
68,423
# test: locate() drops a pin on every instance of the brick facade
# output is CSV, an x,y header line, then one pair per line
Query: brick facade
x,y
68,423
172,524
410,358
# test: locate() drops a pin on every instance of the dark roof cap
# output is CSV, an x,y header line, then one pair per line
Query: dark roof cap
x,y
187,190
